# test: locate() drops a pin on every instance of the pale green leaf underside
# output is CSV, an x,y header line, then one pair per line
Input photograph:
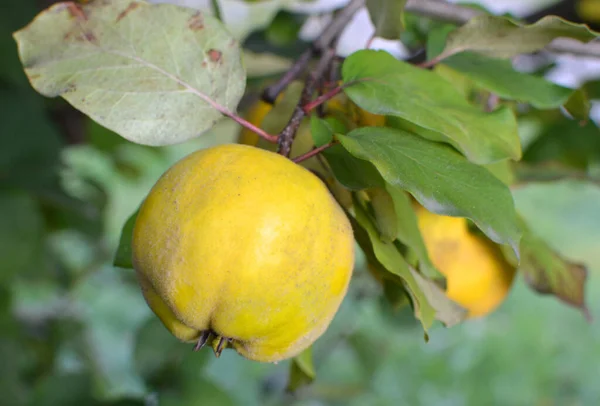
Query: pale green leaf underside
x,y
503,38
148,72
439,178
387,17
387,86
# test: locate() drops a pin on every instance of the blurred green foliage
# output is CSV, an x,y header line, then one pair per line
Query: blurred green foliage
x,y
74,330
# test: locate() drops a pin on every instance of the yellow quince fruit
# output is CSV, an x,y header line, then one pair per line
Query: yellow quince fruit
x,y
478,276
238,246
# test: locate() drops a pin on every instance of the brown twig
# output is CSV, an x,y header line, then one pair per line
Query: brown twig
x,y
325,44
271,93
322,43
286,137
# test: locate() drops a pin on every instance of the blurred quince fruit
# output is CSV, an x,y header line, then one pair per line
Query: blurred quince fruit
x,y
255,114
239,246
477,275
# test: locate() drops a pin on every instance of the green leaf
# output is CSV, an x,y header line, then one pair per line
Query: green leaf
x,y
408,230
441,179
151,86
579,105
353,173
302,370
320,130
548,273
436,40
504,38
503,170
385,214
391,259
429,302
384,85
447,311
499,77
123,257
387,17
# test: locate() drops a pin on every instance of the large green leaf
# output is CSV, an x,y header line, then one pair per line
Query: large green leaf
x,y
383,85
439,178
499,76
353,173
151,73
387,17
504,38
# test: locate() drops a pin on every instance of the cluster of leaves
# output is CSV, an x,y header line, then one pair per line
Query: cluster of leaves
x,y
161,74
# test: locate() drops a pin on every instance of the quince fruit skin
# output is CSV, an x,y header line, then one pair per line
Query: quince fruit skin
x,y
478,277
244,244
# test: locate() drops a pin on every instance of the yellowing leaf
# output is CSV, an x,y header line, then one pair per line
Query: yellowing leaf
x,y
504,38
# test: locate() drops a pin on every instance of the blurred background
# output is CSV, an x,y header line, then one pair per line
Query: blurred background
x,y
74,330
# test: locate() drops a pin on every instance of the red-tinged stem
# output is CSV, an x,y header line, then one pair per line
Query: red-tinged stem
x,y
313,152
321,99
432,62
244,123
